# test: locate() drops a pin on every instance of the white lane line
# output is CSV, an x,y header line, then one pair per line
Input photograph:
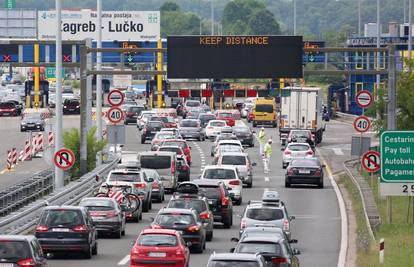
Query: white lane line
x,y
266,179
266,189
125,260
338,151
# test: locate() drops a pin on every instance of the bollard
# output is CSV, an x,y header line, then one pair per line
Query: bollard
x,y
14,156
27,151
39,142
9,159
381,251
50,139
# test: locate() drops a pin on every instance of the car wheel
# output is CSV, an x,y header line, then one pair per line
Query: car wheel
x,y
200,138
123,232
287,184
95,249
142,140
227,222
239,202
145,207
150,204
209,236
320,185
88,253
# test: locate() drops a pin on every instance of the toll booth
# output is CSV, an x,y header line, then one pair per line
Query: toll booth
x,y
338,98
43,93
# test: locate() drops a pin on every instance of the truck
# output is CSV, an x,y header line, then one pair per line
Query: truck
x,y
301,108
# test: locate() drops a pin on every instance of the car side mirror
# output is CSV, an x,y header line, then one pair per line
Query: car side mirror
x,y
234,239
232,250
293,241
254,164
292,218
296,251
150,180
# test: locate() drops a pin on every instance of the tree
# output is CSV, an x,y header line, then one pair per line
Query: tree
x,y
169,6
405,99
262,21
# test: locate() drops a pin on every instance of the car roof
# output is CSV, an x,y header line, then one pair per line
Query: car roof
x,y
234,256
16,237
175,210
261,238
236,142
159,231
233,154
226,167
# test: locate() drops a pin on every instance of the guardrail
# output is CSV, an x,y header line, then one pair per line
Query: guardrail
x,y
26,218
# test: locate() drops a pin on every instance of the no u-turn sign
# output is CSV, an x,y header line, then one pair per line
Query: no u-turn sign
x,y
64,159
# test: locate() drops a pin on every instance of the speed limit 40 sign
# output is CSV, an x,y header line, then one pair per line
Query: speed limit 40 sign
x,y
115,115
362,124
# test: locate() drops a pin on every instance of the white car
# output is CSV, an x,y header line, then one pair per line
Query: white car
x,y
296,150
247,107
143,118
214,128
227,143
231,178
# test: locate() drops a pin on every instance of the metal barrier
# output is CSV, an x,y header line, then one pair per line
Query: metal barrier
x,y
25,219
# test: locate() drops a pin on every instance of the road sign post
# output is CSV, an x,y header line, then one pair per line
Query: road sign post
x,y
64,159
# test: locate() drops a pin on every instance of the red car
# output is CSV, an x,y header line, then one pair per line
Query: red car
x,y
159,248
181,143
226,116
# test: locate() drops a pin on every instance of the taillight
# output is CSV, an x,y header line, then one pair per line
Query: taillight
x,y
234,182
173,167
80,228
111,214
225,201
287,152
279,260
42,228
26,262
193,228
204,215
318,172
309,152
286,225
243,224
155,185
291,171
178,252
156,226
140,185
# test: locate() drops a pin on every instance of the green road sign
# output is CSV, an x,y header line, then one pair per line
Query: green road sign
x,y
397,156
130,58
51,73
9,4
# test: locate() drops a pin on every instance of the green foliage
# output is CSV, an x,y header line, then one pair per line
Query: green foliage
x,y
177,22
262,21
71,140
169,6
405,99
378,107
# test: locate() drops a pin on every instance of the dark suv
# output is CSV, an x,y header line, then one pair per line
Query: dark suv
x,y
71,106
132,112
150,129
21,250
67,228
219,200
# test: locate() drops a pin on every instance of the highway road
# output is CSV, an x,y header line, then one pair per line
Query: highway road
x,y
317,225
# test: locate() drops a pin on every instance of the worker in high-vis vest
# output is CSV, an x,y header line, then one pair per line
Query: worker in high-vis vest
x,y
266,155
262,140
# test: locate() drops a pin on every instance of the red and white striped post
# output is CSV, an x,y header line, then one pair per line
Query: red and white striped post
x,y
21,155
27,151
14,156
40,142
9,159
34,145
50,139
381,251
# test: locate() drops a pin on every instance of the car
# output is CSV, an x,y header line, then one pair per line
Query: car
x,y
143,118
219,200
185,220
231,178
181,143
226,116
169,122
274,248
188,197
158,191
161,137
150,130
301,136
245,135
236,260
189,104
183,169
204,118
106,214
304,171
191,129
67,228
9,108
193,113
270,212
296,150
221,136
235,142
246,108
32,122
214,127
21,250
132,113
71,106
142,187
242,162
160,247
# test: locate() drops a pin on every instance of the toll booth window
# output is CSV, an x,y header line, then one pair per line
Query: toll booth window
x,y
172,93
240,93
262,93
382,60
359,60
195,93
359,87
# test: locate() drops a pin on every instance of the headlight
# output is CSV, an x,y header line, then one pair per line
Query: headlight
x,y
23,123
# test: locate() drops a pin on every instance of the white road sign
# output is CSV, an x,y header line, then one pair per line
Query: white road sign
x,y
116,25
122,81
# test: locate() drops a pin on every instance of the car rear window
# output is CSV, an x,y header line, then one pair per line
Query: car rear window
x,y
62,217
189,124
298,147
6,105
264,108
95,204
155,124
155,162
225,115
302,134
165,135
125,177
232,263
151,240
192,104
177,150
218,123
233,160
175,143
14,250
252,248
207,117
263,214
174,219
197,204
219,174
210,192
305,163
136,110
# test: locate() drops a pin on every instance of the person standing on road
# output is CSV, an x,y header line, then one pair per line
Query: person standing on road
x,y
262,139
266,155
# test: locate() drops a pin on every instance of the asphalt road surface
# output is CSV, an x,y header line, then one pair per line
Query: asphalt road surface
x,y
317,225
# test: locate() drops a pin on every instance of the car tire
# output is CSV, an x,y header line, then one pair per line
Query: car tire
x,y
287,184
227,222
320,185
142,140
239,202
88,253
150,203
209,236
250,185
95,249
123,232
145,207
200,138
117,234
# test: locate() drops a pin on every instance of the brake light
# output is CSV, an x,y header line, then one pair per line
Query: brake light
x,y
234,182
80,228
287,152
318,172
42,228
111,214
193,228
225,201
173,167
286,225
26,262
156,226
243,224
291,171
279,260
155,185
204,215
309,152
178,252
140,185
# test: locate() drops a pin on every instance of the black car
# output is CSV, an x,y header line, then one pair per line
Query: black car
x,y
71,106
183,169
67,228
186,221
21,250
132,112
204,118
245,135
219,200
304,171
150,129
32,122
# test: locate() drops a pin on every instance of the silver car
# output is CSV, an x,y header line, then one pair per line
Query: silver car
x,y
191,129
296,150
242,162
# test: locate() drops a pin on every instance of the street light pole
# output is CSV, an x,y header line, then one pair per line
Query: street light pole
x,y
359,18
410,29
294,17
99,82
378,78
212,17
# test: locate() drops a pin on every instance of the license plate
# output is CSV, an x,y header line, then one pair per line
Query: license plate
x,y
6,264
60,230
157,254
304,171
6,114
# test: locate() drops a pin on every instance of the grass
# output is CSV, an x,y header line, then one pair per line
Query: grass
x,y
398,236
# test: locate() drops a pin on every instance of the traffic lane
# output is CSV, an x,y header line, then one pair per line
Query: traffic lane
x,y
12,137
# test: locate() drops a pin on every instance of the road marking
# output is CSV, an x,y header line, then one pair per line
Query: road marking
x,y
125,260
266,179
3,171
338,151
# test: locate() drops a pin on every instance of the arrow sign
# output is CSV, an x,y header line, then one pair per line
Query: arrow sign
x,y
364,99
311,58
130,58
362,124
371,161
64,159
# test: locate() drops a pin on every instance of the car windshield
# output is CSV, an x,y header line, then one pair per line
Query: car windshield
x,y
226,174
225,115
192,104
7,105
125,177
197,204
152,240
210,192
263,214
174,219
147,115
232,263
303,134
14,250
177,150
253,248
97,204
305,163
207,117
293,147
61,218
218,123
233,160
175,143
155,162
264,108
189,123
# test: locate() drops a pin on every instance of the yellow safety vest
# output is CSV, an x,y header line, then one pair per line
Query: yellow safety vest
x,y
262,138
268,150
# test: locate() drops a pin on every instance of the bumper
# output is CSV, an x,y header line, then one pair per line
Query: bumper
x,y
303,180
102,226
157,262
195,239
265,122
54,244
71,111
30,127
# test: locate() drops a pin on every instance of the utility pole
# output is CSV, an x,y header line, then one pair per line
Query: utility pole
x,y
378,80
359,18
212,17
59,182
83,120
410,29
405,11
89,89
99,83
294,17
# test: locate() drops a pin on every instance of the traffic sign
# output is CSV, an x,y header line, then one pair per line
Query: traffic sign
x,y
64,159
364,99
362,124
51,73
115,98
115,115
371,161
